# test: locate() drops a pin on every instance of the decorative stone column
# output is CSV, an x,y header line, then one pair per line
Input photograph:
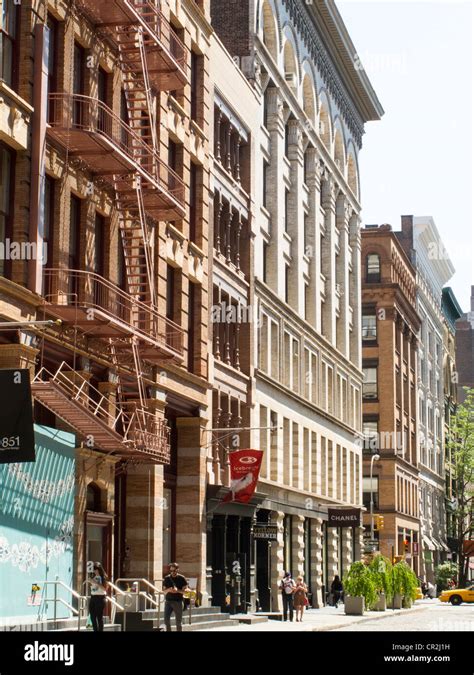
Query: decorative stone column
x,y
328,256
344,212
275,194
191,501
359,543
316,561
313,181
355,292
295,225
297,547
346,534
277,561
333,554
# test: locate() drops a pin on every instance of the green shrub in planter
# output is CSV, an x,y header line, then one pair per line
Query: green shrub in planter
x,y
445,574
405,582
381,570
359,582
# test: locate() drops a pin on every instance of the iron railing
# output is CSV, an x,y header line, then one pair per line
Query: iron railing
x,y
75,112
91,291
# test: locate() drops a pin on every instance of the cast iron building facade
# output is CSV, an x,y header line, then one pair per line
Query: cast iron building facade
x,y
306,274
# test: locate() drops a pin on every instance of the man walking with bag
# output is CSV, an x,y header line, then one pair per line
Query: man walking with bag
x,y
174,587
287,587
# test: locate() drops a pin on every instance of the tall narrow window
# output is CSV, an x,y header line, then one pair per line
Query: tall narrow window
x,y
373,268
287,283
7,179
266,168
48,230
74,245
369,386
369,326
51,39
99,245
193,202
195,67
78,83
192,332
170,293
8,43
287,209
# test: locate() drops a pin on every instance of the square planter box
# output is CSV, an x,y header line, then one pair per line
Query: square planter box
x,y
354,606
407,603
397,601
381,604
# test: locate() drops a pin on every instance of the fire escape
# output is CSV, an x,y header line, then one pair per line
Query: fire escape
x,y
125,154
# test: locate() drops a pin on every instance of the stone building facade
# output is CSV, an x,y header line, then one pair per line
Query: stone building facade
x,y
424,247
390,334
306,408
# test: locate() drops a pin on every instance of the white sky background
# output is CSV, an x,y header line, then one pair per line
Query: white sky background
x,y
418,159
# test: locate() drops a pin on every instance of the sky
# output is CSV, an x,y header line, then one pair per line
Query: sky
x,y
418,159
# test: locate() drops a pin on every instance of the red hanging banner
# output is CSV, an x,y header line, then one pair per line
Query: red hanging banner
x,y
244,471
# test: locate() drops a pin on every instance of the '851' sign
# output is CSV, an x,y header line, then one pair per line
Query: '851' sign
x,y
17,439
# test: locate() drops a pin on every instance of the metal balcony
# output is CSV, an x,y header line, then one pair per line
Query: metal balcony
x,y
131,432
92,132
103,310
165,53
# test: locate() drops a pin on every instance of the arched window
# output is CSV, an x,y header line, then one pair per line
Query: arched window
x,y
93,498
373,268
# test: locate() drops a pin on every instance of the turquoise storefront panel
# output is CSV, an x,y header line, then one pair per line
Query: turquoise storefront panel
x,y
36,525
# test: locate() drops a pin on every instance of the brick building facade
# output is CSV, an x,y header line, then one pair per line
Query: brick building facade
x,y
390,334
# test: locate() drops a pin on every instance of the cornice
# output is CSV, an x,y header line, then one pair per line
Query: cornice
x,y
305,26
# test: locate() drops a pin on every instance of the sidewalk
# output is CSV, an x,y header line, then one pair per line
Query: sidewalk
x,y
324,619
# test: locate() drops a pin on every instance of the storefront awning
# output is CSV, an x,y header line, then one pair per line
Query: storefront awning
x,y
427,543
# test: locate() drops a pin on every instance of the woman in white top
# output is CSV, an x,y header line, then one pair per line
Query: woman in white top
x,y
98,594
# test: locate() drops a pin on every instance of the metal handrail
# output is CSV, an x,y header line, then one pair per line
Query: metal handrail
x,y
123,608
75,594
76,112
166,37
95,292
158,593
72,389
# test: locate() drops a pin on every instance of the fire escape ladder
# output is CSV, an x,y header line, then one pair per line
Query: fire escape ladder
x,y
138,369
138,96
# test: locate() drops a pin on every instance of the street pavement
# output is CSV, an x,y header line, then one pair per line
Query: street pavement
x,y
426,615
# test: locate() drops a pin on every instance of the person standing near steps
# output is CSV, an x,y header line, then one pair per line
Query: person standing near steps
x,y
99,582
174,587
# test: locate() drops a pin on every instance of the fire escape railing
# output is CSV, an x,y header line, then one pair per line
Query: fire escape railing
x,y
161,30
75,112
89,290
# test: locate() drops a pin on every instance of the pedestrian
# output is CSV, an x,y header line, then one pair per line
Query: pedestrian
x,y
174,587
336,590
99,583
300,599
287,587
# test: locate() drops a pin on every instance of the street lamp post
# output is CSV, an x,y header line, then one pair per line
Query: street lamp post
x,y
375,458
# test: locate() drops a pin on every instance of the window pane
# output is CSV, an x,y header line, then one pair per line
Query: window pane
x,y
369,327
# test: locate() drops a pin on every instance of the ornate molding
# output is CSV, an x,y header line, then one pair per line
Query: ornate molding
x,y
308,32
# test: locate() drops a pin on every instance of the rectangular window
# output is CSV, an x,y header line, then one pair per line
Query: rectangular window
x,y
192,329
195,75
7,181
8,43
51,40
369,386
370,431
266,168
287,283
193,202
99,245
265,261
78,84
287,210
74,245
369,326
370,487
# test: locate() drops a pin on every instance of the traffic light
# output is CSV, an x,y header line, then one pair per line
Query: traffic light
x,y
406,545
379,523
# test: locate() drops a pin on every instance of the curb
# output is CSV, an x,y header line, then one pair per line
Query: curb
x,y
383,615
